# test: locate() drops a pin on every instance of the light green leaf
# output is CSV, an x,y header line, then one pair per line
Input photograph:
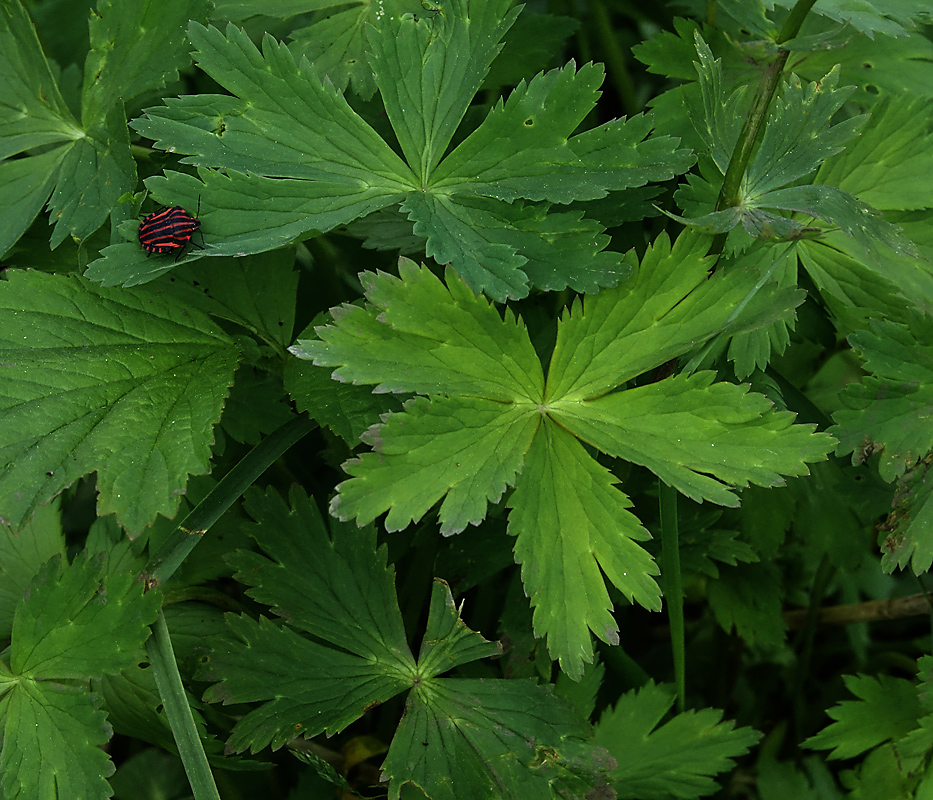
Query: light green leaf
x,y
76,624
678,759
416,334
698,436
572,527
886,709
52,737
21,555
476,738
121,382
428,67
337,588
348,410
666,309
465,450
448,642
886,165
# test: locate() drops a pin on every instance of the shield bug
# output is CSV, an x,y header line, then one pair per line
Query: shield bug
x,y
169,229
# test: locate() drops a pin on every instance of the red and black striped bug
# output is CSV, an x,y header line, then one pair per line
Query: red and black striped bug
x,y
169,229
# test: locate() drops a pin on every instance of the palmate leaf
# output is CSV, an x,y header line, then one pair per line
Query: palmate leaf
x,y
121,382
886,709
678,759
490,421
459,738
482,208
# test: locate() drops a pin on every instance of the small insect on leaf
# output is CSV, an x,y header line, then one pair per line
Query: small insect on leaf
x,y
168,230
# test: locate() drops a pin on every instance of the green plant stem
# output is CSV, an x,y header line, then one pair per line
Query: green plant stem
x,y
730,193
614,56
673,587
824,574
192,528
175,702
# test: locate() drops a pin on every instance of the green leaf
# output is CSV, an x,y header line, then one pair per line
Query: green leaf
x,y
331,587
256,292
911,522
412,61
888,410
288,176
525,139
52,739
306,688
799,136
448,642
489,422
346,409
886,710
886,164
340,590
77,365
483,738
95,171
335,44
134,49
429,338
33,112
890,17
698,436
465,450
74,625
678,759
573,526
748,598
21,556
880,67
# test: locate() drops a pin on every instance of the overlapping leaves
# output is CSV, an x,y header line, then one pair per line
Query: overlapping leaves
x,y
889,412
490,421
459,738
296,158
75,623
79,168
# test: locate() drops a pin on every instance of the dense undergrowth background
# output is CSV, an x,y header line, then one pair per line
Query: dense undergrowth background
x,y
542,408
